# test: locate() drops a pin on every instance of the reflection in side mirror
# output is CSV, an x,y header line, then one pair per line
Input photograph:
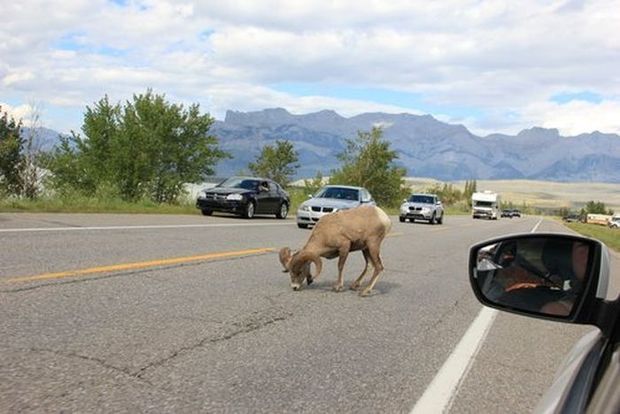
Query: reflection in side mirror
x,y
539,274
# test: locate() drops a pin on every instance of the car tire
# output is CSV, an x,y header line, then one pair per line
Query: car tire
x,y
440,219
206,212
250,208
432,220
302,225
282,211
401,219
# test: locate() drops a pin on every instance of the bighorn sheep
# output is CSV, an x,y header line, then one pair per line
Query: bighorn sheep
x,y
335,235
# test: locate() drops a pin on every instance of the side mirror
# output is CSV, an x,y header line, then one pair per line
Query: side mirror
x,y
404,200
310,196
552,276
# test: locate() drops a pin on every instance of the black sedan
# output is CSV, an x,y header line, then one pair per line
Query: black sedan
x,y
245,196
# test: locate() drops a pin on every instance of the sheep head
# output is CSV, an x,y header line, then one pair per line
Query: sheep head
x,y
298,265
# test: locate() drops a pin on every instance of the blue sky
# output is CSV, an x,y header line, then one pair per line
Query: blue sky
x,y
492,66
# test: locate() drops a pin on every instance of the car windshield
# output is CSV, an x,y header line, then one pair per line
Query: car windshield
x,y
236,182
421,199
483,203
339,193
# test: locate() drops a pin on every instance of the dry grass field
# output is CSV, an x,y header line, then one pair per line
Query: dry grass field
x,y
541,194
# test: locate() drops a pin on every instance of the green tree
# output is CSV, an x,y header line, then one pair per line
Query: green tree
x,y
368,162
315,184
278,162
595,207
11,154
446,192
146,148
470,189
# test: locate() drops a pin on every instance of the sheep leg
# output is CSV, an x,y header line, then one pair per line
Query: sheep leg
x,y
378,265
355,285
343,253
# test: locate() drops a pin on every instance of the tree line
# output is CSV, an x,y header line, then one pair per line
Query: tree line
x,y
148,148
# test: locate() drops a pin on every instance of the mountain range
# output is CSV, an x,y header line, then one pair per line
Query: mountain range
x,y
426,147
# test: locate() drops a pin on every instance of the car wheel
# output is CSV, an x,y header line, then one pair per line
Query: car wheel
x,y
302,226
206,212
432,220
440,219
401,219
283,211
249,210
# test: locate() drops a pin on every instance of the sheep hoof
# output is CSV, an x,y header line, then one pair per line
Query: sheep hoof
x,y
354,286
337,288
365,293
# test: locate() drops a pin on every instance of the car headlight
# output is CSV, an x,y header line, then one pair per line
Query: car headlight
x,y
234,197
304,207
202,195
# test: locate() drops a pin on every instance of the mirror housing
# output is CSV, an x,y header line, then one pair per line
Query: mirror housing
x,y
552,276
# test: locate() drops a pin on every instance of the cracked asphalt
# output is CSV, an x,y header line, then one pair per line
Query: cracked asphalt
x,y
229,335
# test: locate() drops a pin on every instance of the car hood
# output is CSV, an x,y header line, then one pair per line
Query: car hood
x,y
331,202
227,190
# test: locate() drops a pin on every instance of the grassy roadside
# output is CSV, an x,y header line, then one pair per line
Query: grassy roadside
x,y
93,205
611,237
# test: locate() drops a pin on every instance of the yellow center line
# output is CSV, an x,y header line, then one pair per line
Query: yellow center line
x,y
137,265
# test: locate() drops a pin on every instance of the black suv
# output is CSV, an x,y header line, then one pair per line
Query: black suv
x,y
245,196
510,213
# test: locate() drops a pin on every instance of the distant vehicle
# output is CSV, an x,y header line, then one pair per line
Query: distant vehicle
x,y
245,196
571,218
516,212
601,219
485,205
422,207
614,222
506,213
330,199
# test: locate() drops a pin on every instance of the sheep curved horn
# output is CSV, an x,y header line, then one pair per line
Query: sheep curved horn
x,y
319,266
285,258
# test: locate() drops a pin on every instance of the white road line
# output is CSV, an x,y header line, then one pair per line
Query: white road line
x,y
440,394
536,226
162,226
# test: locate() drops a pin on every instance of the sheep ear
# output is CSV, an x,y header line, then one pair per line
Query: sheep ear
x,y
285,258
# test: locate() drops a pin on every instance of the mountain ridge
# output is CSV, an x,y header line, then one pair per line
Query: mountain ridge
x,y
426,146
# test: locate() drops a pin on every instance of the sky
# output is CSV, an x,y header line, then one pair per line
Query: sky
x,y
493,66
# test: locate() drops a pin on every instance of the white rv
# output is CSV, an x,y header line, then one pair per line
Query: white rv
x,y
485,205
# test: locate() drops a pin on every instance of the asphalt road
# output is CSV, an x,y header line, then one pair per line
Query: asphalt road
x,y
196,316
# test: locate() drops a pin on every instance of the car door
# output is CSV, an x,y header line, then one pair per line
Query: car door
x,y
263,198
268,198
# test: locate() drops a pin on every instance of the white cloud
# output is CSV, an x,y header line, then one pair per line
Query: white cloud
x,y
504,60
576,117
23,113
